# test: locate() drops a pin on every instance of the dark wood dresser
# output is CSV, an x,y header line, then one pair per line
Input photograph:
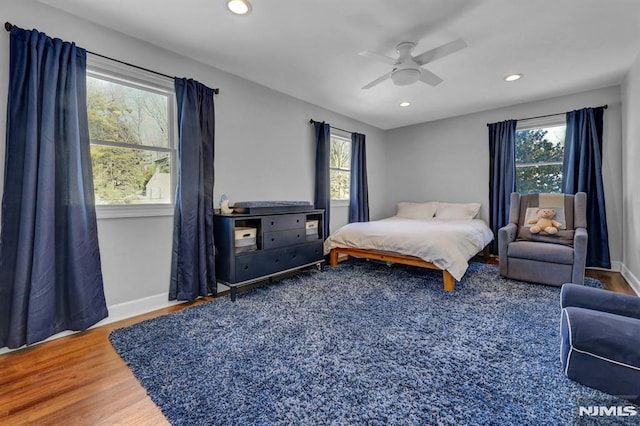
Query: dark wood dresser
x,y
255,247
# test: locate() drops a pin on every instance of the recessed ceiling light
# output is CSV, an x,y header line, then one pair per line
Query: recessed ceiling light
x,y
513,77
239,7
405,104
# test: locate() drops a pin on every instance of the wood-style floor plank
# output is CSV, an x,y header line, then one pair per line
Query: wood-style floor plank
x,y
81,380
611,281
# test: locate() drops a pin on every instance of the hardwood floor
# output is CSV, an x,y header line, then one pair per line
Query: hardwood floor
x,y
611,281
76,380
80,380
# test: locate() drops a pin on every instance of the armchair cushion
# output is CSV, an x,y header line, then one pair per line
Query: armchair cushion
x,y
543,252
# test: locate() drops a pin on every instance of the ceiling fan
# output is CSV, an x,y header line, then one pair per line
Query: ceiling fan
x,y
407,69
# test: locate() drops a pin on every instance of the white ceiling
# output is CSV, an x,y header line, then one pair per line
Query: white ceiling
x,y
309,48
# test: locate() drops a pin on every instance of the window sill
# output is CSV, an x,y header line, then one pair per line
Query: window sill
x,y
339,203
125,211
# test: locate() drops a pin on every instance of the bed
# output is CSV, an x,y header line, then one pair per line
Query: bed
x,y
417,236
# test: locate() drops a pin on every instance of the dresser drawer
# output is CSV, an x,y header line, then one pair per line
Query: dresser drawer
x,y
283,238
250,266
303,254
285,221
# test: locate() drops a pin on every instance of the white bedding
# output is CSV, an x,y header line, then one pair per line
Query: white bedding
x,y
448,244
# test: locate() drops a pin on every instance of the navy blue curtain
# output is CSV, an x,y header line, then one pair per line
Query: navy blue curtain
x,y
582,172
359,189
193,257
50,274
502,174
322,196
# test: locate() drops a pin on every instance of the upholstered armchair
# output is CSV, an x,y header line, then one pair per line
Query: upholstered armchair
x,y
552,259
600,343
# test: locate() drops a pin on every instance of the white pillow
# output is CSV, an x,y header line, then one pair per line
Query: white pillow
x,y
457,210
417,210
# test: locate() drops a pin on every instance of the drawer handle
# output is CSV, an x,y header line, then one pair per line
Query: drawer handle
x,y
298,235
277,260
273,239
246,267
272,223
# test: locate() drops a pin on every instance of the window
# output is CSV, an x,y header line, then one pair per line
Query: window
x,y
131,127
539,156
340,167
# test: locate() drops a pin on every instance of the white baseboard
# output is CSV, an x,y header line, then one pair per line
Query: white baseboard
x,y
117,313
633,281
137,307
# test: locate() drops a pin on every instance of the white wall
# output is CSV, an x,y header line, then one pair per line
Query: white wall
x,y
631,174
448,160
264,151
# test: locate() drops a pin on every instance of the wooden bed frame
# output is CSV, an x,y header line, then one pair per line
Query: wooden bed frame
x,y
447,278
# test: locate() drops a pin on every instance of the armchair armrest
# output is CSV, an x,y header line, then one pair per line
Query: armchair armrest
x,y
579,296
508,232
506,235
580,239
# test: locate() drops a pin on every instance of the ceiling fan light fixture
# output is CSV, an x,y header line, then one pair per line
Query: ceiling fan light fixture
x,y
239,7
405,104
513,77
406,76
407,69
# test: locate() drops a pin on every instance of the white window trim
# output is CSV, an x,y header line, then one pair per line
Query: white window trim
x,y
536,123
339,203
115,71
120,211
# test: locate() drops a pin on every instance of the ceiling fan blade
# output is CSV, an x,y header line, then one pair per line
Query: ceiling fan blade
x,y
378,57
377,81
440,52
429,77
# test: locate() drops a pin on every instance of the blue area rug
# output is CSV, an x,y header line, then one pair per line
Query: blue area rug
x,y
363,343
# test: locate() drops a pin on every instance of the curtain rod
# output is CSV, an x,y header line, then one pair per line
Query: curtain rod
x,y
337,128
8,26
605,106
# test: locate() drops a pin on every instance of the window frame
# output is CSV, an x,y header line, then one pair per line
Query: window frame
x,y
540,123
115,72
339,134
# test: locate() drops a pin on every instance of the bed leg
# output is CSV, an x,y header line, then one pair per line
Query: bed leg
x,y
333,258
486,253
449,281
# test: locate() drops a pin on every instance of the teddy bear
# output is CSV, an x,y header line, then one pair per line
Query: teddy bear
x,y
544,222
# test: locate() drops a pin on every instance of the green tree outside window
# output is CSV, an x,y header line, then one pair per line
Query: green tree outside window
x,y
340,168
539,156
128,128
